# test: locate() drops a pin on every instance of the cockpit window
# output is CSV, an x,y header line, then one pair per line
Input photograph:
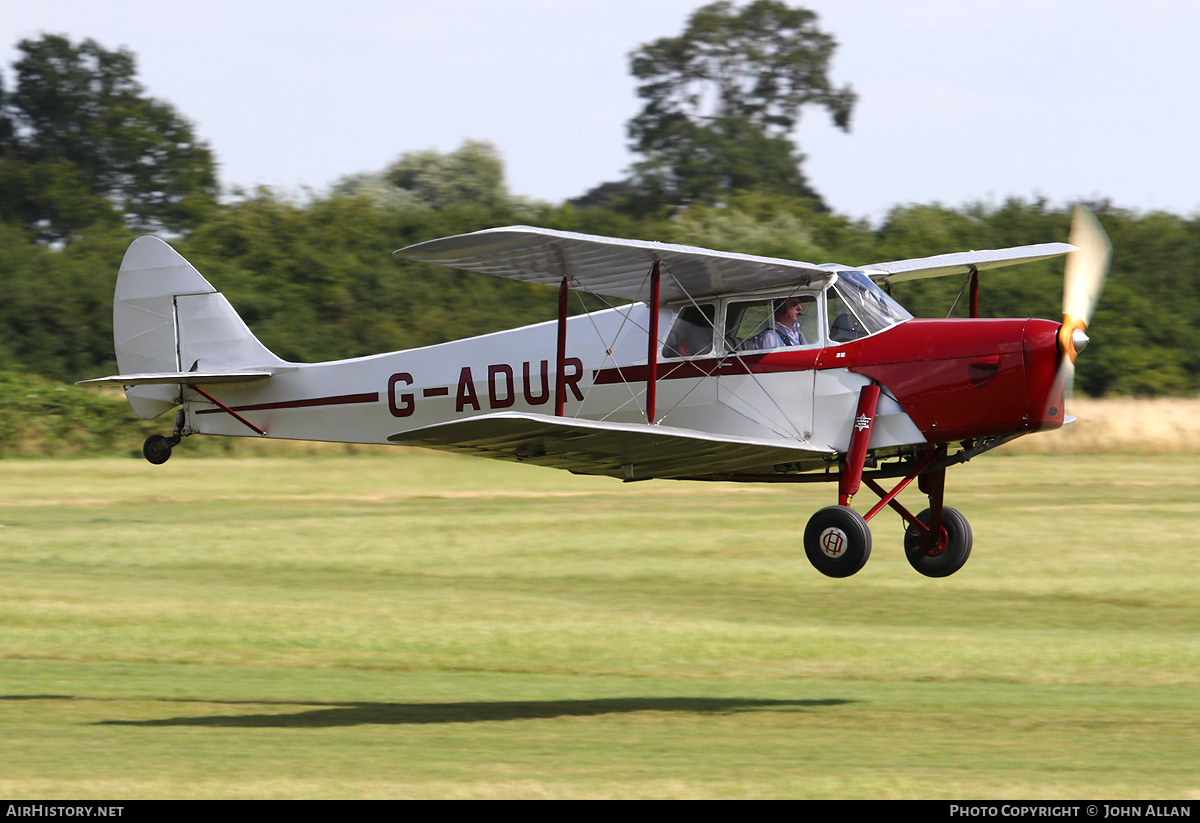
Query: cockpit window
x,y
851,306
857,307
772,323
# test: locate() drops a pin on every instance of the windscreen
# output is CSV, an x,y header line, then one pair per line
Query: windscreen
x,y
870,305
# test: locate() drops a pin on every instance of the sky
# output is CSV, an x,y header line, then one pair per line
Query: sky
x,y
959,102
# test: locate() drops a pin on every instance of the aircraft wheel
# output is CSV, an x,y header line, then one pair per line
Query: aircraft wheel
x,y
156,449
951,550
837,541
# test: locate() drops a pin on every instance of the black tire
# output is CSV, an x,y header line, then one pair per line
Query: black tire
x,y
837,541
156,449
952,556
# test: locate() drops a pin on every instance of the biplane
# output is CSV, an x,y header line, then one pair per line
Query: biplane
x,y
707,366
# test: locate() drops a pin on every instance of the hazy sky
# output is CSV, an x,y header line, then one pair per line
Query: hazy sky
x,y
958,101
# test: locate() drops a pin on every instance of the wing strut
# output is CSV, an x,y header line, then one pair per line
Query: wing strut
x,y
652,345
972,281
560,378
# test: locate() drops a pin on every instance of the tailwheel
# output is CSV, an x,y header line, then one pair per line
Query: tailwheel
x,y
157,449
837,541
943,554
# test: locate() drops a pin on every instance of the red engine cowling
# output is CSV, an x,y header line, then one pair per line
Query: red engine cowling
x,y
959,378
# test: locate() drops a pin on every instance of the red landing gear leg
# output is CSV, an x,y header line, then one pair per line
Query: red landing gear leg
x,y
933,483
860,437
837,540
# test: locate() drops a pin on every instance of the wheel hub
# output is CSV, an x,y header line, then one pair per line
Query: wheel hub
x,y
833,542
932,547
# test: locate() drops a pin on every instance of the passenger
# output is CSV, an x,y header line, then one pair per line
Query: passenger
x,y
786,331
692,334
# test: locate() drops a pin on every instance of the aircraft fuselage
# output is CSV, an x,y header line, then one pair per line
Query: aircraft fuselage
x,y
942,380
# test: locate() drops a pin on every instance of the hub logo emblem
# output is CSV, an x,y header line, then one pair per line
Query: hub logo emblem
x,y
833,542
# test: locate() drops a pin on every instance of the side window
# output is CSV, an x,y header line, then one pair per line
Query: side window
x,y
810,319
756,325
844,326
692,333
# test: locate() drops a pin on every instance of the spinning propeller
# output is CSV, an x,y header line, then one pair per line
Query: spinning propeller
x,y
1087,267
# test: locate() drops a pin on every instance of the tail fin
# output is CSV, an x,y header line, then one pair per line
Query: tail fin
x,y
170,325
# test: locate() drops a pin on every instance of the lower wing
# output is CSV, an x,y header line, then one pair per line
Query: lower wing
x,y
629,451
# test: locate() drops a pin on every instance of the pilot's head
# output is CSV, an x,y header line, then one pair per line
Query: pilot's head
x,y
789,309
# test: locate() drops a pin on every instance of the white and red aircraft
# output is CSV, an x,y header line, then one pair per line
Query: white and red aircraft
x,y
693,380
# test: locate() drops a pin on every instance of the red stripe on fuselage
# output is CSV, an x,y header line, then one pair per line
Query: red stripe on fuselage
x,y
760,363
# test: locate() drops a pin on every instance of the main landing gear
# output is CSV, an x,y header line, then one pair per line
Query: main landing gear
x,y
837,539
937,541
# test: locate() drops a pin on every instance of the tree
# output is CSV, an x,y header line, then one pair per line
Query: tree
x,y
723,98
472,175
80,142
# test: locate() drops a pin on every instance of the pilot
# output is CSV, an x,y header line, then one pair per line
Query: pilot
x,y
786,331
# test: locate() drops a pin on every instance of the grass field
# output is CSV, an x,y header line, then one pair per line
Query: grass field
x,y
403,624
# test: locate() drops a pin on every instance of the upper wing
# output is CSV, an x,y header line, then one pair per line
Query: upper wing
x,y
607,265
961,262
619,268
630,451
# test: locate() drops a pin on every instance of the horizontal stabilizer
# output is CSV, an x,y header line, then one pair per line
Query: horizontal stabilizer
x,y
961,262
167,378
629,451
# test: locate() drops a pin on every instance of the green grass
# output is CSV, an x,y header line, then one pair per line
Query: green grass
x,y
404,624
